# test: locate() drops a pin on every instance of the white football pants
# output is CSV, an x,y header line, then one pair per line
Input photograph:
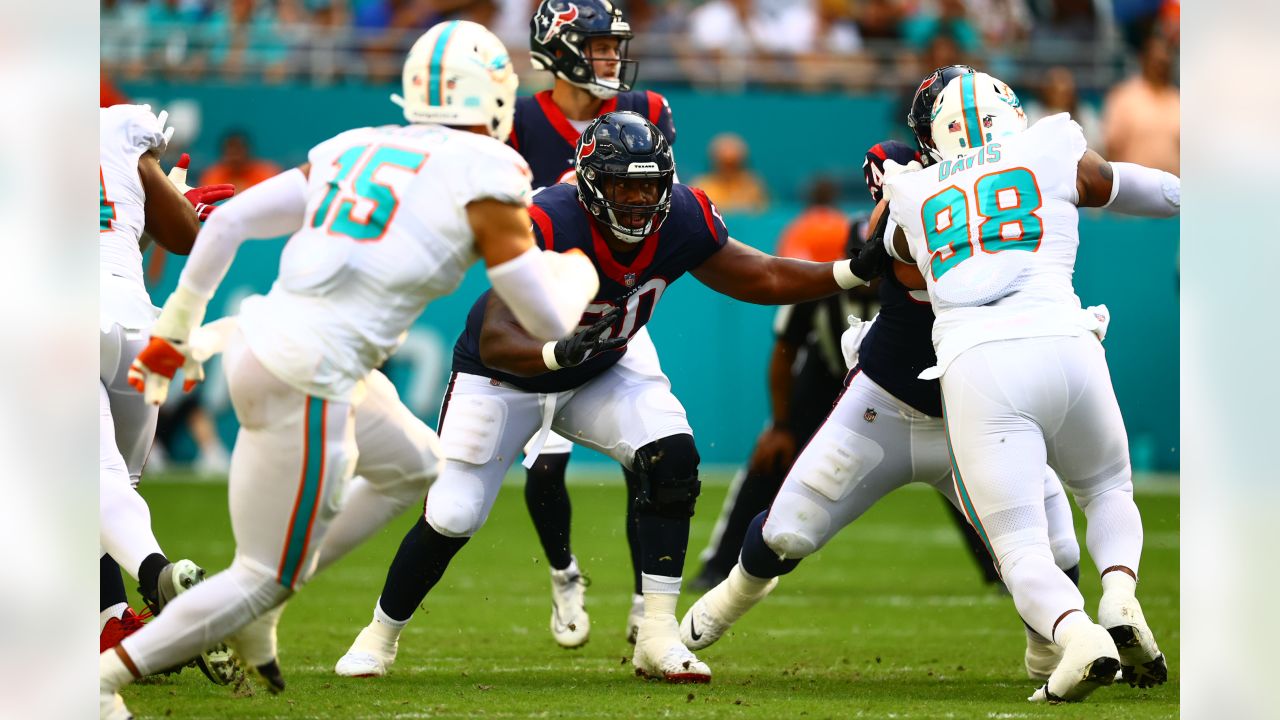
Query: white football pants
x,y
1011,407
486,423
294,504
871,444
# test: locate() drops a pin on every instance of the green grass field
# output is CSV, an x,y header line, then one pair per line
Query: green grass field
x,y
891,620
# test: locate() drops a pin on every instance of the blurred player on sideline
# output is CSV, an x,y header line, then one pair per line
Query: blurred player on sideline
x,y
584,44
643,231
994,230
135,197
383,220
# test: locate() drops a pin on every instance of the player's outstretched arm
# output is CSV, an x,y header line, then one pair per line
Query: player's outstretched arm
x,y
547,290
1127,188
269,209
744,273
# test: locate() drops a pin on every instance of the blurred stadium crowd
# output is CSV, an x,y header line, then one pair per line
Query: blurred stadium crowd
x,y
813,45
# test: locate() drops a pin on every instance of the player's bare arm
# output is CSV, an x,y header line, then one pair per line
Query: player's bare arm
x,y
744,273
504,344
171,220
501,230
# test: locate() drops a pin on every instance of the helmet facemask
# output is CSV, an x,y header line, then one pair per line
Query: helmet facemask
x,y
584,74
562,33
625,175
634,206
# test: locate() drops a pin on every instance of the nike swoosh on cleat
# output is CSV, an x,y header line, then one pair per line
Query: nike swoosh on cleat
x,y
693,630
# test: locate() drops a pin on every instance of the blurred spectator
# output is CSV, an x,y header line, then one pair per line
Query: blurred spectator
x,y
944,17
1058,95
730,184
246,36
748,37
821,231
1140,122
880,20
1070,20
237,164
833,48
1000,21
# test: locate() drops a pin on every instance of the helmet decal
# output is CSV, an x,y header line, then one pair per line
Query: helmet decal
x,y
555,22
969,100
587,148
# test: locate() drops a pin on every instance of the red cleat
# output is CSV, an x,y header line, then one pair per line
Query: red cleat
x,y
117,629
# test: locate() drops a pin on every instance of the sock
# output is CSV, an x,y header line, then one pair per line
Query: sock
x,y
1068,625
758,559
203,616
1113,528
110,585
754,496
744,583
419,564
366,509
549,507
633,480
660,585
113,674
661,604
149,575
1041,592
125,524
1118,581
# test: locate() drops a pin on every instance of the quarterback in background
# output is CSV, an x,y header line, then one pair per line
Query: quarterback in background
x,y
993,227
382,221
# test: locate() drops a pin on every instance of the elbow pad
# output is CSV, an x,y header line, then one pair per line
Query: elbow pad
x,y
1144,191
546,291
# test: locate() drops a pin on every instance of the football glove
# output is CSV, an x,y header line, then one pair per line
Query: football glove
x,y
169,349
201,198
873,165
579,346
892,168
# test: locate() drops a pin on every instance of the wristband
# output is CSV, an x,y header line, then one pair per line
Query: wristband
x,y
549,356
844,276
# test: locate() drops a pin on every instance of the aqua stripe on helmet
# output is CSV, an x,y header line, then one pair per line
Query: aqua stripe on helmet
x,y
969,102
435,95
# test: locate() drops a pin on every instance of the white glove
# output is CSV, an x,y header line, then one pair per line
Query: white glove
x,y
169,349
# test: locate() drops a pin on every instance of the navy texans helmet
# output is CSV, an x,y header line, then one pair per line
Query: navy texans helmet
x,y
621,157
873,164
560,36
920,117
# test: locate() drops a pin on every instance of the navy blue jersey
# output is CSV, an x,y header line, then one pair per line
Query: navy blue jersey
x,y
545,137
693,232
900,345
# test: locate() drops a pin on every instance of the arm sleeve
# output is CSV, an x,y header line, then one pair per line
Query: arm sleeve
x,y
1144,191
546,291
267,210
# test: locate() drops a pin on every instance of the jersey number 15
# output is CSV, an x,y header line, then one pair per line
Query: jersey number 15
x,y
361,209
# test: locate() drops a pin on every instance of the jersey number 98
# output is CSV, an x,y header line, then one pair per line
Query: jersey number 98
x,y
1007,202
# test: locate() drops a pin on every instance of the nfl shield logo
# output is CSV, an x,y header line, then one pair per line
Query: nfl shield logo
x,y
629,279
869,415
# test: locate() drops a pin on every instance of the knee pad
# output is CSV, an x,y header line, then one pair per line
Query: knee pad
x,y
454,519
797,526
836,460
668,469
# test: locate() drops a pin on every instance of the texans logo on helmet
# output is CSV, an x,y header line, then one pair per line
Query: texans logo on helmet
x,y
553,23
586,149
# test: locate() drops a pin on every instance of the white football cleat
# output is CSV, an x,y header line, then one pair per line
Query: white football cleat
x,y
1041,658
660,655
1089,661
370,655
111,706
634,617
570,624
255,644
1141,662
714,613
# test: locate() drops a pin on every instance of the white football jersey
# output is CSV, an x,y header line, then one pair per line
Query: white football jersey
x,y
995,234
385,232
125,133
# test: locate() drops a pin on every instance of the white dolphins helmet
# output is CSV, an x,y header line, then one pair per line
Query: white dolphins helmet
x,y
459,73
973,110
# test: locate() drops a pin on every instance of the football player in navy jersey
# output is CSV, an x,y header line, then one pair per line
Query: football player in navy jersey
x,y
584,44
885,431
642,231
